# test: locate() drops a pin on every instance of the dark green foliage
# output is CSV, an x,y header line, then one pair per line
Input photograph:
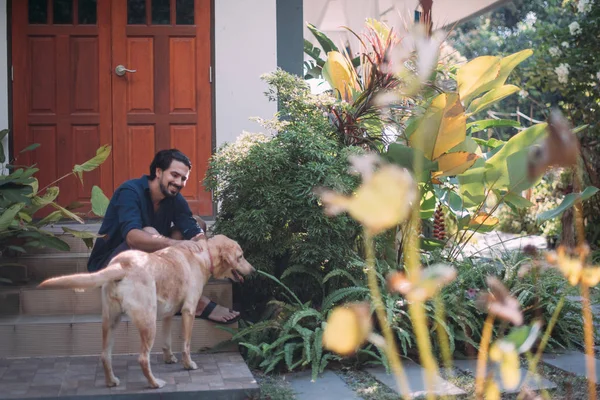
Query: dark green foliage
x,y
265,189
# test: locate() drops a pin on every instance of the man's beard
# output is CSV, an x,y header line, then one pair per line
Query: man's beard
x,y
166,192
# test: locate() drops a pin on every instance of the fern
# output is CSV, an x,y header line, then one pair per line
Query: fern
x,y
343,273
252,348
282,285
342,294
299,315
301,269
258,327
289,354
306,336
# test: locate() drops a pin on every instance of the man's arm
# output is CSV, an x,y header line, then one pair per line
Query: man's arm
x,y
140,239
184,220
129,210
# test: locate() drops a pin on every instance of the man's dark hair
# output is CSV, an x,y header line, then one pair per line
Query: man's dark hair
x,y
164,158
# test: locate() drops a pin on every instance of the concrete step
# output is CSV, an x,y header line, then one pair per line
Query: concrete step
x,y
219,376
28,300
73,335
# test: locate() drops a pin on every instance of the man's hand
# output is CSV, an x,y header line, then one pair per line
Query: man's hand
x,y
201,237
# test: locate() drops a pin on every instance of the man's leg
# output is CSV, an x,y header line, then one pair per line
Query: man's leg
x,y
219,313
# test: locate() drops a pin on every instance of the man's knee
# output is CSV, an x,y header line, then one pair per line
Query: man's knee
x,y
201,222
151,230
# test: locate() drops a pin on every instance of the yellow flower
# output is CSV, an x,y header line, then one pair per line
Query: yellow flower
x,y
573,266
348,327
432,280
382,201
500,303
492,391
505,353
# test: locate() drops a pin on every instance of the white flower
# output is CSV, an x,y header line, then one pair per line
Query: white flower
x,y
523,93
562,71
574,28
584,6
554,51
598,75
565,45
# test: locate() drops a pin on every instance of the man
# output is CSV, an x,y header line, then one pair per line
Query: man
x,y
149,214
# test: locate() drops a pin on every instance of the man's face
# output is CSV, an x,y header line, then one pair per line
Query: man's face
x,y
173,179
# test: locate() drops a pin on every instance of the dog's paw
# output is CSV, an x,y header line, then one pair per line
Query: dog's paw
x,y
158,383
169,358
191,365
113,382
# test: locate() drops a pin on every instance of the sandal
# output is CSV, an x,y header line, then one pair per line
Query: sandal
x,y
209,309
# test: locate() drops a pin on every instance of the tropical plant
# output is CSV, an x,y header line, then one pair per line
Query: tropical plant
x,y
21,200
264,184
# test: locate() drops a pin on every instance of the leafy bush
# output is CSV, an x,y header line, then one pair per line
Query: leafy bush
x,y
21,199
264,185
545,196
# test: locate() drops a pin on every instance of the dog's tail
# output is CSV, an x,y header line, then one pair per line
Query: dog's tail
x,y
113,272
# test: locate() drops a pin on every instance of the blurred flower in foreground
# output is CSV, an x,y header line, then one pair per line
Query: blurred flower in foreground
x,y
573,266
382,201
500,303
560,148
348,327
492,391
432,280
506,352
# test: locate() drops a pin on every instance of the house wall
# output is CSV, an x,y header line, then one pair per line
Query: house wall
x,y
3,75
245,48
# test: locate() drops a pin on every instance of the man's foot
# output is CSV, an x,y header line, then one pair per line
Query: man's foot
x,y
216,313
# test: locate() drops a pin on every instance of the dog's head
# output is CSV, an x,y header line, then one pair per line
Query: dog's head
x,y
228,259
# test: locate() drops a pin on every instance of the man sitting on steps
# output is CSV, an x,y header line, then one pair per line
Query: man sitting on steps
x,y
149,214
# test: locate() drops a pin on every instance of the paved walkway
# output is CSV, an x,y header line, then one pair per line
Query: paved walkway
x,y
330,386
219,375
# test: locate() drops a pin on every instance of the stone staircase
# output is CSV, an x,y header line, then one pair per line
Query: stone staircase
x,y
64,322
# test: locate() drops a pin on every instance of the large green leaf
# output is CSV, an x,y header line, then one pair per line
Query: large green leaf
x,y
490,143
477,126
491,98
3,133
9,214
313,52
507,169
31,147
428,202
567,202
41,238
67,213
87,237
485,73
49,196
513,199
326,44
442,127
472,185
101,155
404,156
54,216
99,201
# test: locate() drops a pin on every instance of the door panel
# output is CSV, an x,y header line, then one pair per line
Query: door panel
x,y
68,98
166,103
61,90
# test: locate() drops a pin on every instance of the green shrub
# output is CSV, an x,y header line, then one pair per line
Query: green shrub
x,y
264,184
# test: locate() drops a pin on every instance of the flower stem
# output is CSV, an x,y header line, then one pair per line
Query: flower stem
x,y
391,350
538,355
440,314
589,341
486,337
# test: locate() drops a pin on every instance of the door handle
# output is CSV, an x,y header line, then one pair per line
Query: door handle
x,y
120,70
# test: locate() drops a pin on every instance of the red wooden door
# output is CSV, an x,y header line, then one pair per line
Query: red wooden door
x,y
61,55
68,97
166,102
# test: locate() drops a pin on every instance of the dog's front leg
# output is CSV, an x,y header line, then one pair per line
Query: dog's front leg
x,y
168,355
187,325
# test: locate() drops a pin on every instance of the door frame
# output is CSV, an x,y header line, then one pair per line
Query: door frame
x,y
10,97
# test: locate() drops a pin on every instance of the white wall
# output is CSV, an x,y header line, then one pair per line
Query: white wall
x,y
3,75
245,48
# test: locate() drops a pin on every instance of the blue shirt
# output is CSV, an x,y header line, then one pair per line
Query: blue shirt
x,y
131,208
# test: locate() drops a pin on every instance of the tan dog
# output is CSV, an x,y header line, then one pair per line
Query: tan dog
x,y
147,285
